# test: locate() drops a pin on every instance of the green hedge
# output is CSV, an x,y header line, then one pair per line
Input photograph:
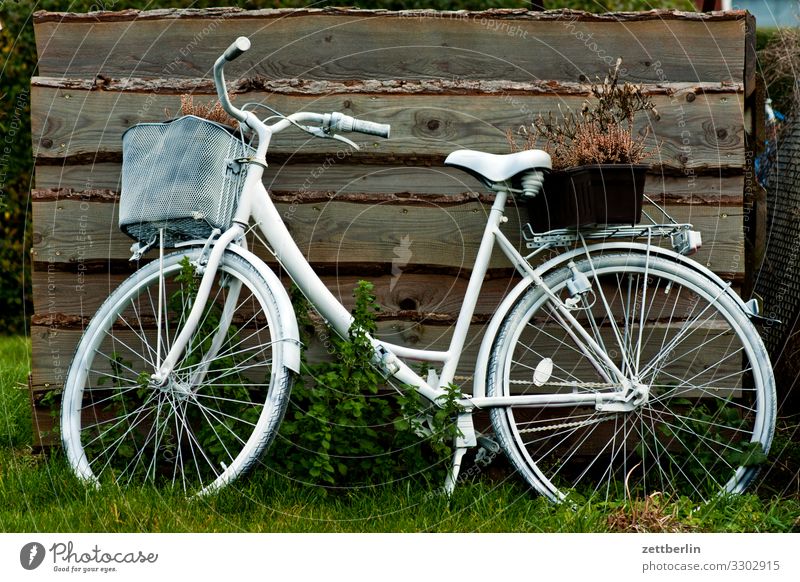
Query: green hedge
x,y
19,64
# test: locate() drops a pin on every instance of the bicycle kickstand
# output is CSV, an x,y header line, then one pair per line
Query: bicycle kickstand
x,y
465,439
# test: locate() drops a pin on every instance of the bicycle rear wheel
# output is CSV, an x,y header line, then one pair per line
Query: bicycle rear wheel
x,y
707,418
215,414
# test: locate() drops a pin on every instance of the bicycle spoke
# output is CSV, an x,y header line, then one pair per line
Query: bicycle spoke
x,y
194,436
223,399
119,440
610,316
682,423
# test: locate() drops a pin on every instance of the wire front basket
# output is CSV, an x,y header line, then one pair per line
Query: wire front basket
x,y
183,176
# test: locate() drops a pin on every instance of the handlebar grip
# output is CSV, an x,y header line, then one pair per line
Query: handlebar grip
x,y
370,128
236,49
341,122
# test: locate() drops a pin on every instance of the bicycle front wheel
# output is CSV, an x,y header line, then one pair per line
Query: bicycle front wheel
x,y
703,419
214,415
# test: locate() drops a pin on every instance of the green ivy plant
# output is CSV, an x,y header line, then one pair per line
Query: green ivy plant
x,y
346,427
702,423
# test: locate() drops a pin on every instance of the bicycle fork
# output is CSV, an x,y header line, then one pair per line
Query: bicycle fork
x,y
160,377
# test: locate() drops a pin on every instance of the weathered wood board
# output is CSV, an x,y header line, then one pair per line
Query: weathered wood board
x,y
342,44
289,179
391,213
68,299
351,233
54,347
704,132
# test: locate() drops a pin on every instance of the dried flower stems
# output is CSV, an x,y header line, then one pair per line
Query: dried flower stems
x,y
600,133
212,111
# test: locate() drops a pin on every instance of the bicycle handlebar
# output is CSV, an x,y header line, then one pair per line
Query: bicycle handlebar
x,y
372,128
331,122
239,46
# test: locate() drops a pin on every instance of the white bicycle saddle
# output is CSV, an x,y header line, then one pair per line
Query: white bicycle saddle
x,y
498,168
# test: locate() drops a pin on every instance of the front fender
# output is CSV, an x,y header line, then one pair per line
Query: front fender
x,y
287,321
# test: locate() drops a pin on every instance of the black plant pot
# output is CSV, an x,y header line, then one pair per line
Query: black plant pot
x,y
589,195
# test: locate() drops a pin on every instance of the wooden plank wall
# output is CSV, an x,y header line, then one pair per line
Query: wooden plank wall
x,y
391,213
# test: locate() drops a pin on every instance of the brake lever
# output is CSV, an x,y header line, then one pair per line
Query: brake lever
x,y
319,132
351,143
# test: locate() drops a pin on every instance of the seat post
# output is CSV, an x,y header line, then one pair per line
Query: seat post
x,y
501,197
475,283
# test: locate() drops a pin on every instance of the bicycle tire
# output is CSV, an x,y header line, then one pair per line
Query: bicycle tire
x,y
199,431
708,421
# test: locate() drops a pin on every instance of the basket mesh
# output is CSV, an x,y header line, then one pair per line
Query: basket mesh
x,y
180,176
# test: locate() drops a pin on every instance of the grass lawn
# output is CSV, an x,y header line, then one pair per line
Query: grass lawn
x,y
39,494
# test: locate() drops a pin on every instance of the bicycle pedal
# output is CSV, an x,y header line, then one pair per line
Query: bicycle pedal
x,y
488,444
488,449
423,428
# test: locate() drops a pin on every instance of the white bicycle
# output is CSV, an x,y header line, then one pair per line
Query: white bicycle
x,y
616,363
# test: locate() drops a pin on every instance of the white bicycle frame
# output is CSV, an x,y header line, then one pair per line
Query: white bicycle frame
x,y
255,204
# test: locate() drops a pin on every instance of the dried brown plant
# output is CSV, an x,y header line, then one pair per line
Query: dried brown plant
x,y
615,145
212,110
652,514
600,133
779,61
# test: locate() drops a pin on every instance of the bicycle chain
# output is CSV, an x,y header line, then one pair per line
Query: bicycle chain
x,y
571,384
575,424
557,384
